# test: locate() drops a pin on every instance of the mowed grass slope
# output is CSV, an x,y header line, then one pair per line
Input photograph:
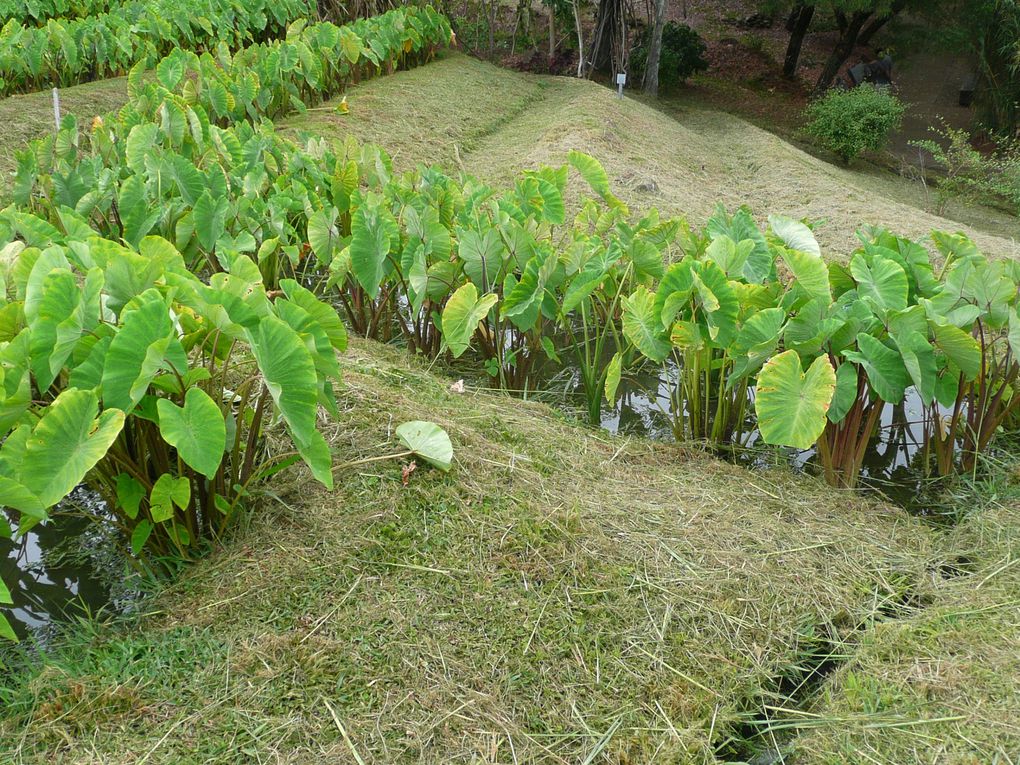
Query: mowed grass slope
x,y
467,115
943,684
560,594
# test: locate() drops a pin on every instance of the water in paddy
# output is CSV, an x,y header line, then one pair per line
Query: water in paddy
x,y
61,569
892,463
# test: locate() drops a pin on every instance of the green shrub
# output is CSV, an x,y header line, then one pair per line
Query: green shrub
x,y
683,53
848,122
970,175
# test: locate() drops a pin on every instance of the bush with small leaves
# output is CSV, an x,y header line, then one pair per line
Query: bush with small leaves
x,y
683,54
849,122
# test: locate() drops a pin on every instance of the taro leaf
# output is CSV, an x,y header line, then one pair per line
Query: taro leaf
x,y
197,430
587,280
145,344
288,369
687,336
729,255
592,172
324,235
428,441
69,439
719,302
845,394
209,217
883,283
643,327
959,347
553,209
647,259
130,494
1014,334
674,291
919,359
166,493
791,405
884,367
321,312
482,256
613,374
811,273
140,535
373,230
461,315
756,341
795,235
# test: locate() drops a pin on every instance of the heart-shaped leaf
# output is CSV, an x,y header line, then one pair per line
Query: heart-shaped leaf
x,y
791,405
428,441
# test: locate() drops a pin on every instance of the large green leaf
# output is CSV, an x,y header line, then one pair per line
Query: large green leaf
x,y
372,232
845,394
209,217
643,327
614,372
792,405
919,359
428,441
795,235
482,254
591,170
197,430
811,273
882,282
145,344
461,315
168,492
884,367
288,370
69,439
756,341
959,347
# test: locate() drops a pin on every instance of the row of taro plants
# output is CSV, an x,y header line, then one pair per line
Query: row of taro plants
x,y
62,52
40,11
156,326
740,320
736,317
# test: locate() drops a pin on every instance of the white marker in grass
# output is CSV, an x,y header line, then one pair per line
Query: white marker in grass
x,y
621,80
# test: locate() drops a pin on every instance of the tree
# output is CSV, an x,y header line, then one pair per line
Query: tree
x,y
800,21
655,50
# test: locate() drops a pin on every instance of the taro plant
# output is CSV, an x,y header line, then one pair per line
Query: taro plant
x,y
122,368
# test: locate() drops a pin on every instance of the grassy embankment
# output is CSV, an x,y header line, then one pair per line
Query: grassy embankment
x,y
561,595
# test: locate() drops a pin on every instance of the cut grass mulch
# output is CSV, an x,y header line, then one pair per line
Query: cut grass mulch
x,y
560,596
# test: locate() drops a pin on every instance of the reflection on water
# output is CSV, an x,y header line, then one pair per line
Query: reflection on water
x,y
893,463
59,569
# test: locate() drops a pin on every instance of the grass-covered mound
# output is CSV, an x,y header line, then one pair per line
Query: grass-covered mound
x,y
942,685
560,595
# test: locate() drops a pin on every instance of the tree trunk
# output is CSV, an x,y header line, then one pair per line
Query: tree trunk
x,y
552,35
800,27
608,19
876,24
842,51
655,50
580,40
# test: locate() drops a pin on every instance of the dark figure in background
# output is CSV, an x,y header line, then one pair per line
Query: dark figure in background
x,y
877,72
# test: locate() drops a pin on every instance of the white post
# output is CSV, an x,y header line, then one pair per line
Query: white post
x,y
56,108
621,80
